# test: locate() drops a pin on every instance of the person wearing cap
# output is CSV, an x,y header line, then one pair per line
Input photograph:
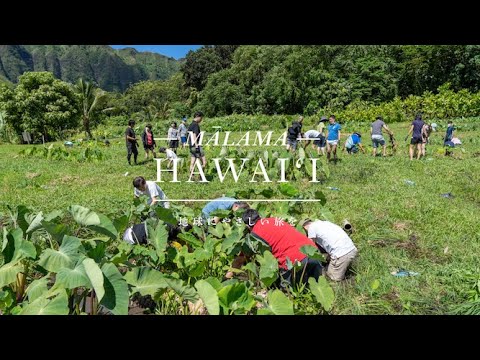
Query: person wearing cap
x,y
182,130
285,243
335,242
377,136
333,137
131,142
353,143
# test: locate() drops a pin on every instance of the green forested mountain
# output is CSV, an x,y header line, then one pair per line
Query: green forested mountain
x,y
112,70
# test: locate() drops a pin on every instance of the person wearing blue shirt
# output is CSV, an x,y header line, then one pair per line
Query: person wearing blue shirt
x,y
353,143
222,203
333,137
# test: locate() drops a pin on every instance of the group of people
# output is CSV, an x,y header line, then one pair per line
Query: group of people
x,y
329,136
284,240
175,137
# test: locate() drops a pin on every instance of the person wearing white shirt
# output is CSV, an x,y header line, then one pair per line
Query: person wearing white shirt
x,y
152,190
170,155
336,242
318,140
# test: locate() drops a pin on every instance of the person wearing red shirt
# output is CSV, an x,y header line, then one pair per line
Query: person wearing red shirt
x,y
285,243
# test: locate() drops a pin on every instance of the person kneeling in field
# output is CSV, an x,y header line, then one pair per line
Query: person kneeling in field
x,y
222,203
335,242
353,143
285,243
171,156
152,190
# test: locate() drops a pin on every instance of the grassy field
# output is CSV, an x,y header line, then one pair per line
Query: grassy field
x,y
396,225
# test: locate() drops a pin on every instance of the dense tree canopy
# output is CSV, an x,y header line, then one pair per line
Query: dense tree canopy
x,y
40,104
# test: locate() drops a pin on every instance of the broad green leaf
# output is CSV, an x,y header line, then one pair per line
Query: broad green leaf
x,y
267,193
320,196
236,297
36,223
58,231
216,284
279,303
184,291
7,298
184,259
8,273
268,268
227,229
95,277
326,214
322,291
301,153
21,211
265,312
158,237
50,303
166,215
17,248
120,223
228,244
66,256
198,231
287,189
116,290
251,267
97,222
53,215
209,296
312,252
190,239
145,280
206,252
216,231
197,269
72,278
37,288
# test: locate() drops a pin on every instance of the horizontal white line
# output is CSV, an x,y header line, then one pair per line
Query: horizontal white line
x,y
246,200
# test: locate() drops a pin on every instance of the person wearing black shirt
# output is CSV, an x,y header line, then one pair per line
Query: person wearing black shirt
x,y
196,150
131,142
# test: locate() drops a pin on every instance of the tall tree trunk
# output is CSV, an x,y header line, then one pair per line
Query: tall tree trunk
x,y
86,126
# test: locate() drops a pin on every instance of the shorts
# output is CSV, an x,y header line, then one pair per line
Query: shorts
x,y
415,140
148,147
173,144
320,141
377,140
353,149
332,142
197,152
292,143
184,139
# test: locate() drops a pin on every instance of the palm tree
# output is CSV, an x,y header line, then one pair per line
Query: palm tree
x,y
91,99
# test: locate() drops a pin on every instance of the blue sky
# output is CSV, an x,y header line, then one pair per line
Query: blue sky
x,y
175,51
